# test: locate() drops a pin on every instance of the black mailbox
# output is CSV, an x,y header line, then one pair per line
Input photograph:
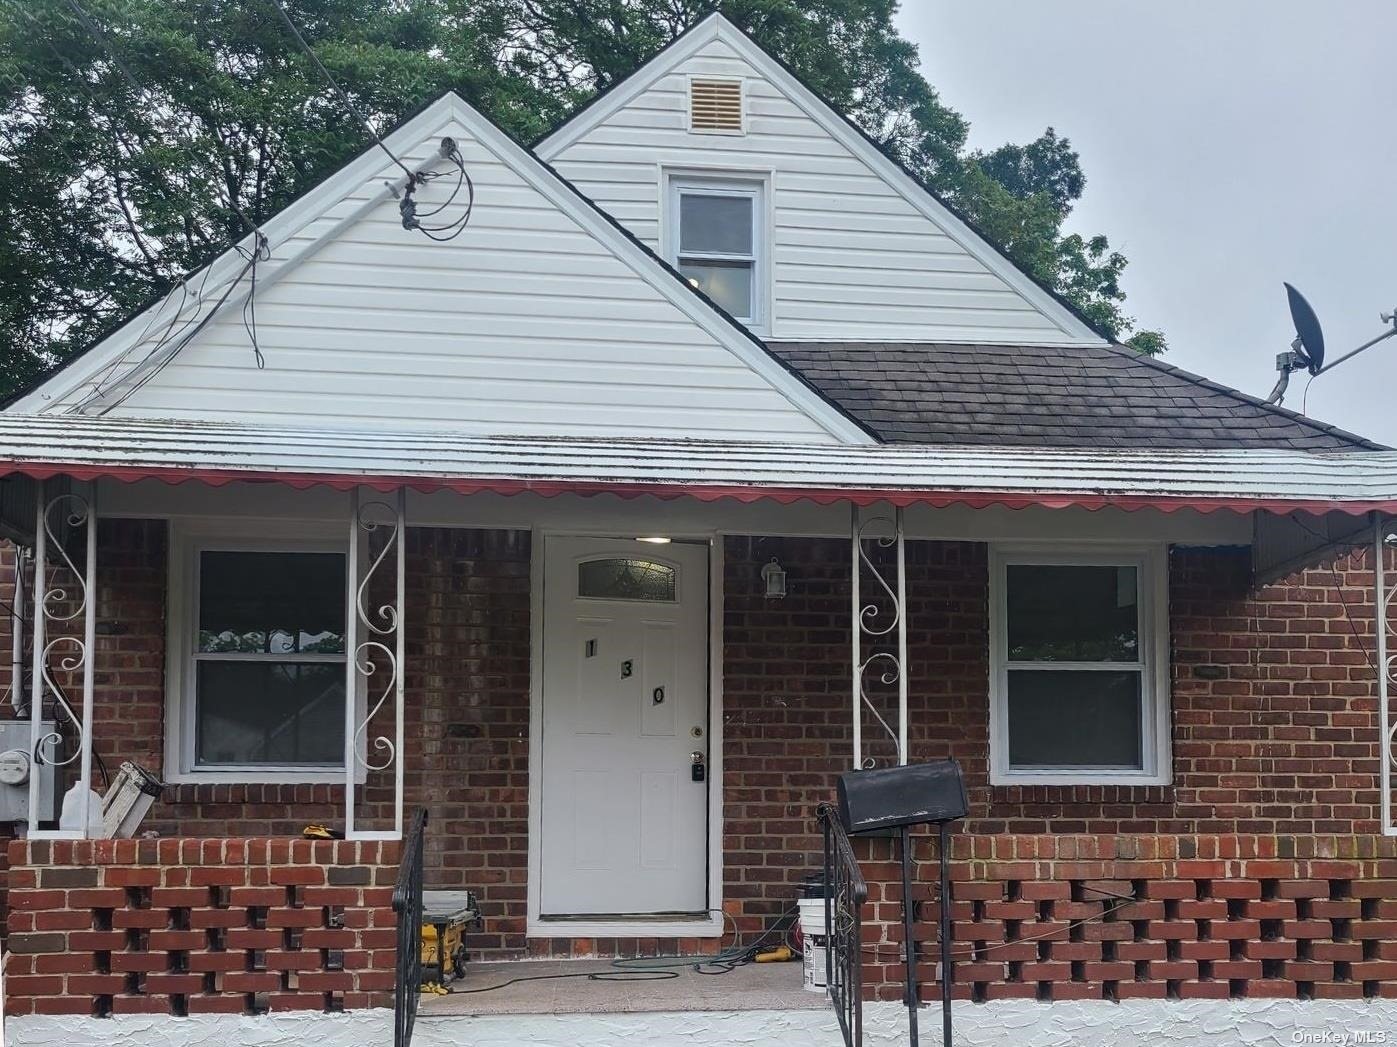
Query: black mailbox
x,y
899,798
892,797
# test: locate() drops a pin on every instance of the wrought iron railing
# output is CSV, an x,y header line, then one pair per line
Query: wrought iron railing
x,y
845,894
407,906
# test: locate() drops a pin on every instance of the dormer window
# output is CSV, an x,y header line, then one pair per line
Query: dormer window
x,y
716,242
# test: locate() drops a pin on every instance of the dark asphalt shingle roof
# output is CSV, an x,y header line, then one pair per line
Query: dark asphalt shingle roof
x,y
1045,396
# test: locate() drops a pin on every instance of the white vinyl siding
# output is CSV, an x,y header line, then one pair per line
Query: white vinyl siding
x,y
852,258
527,323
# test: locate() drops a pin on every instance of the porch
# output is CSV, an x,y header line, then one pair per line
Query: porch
x,y
832,629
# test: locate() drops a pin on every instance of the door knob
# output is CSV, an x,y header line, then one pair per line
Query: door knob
x,y
696,756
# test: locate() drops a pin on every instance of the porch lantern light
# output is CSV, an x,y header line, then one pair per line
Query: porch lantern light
x,y
774,577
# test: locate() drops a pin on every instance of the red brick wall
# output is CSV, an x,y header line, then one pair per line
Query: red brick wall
x,y
1273,709
199,926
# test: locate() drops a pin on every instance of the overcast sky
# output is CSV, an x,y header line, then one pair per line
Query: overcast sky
x,y
1228,145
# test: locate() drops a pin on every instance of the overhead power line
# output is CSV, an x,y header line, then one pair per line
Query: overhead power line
x,y
335,84
407,205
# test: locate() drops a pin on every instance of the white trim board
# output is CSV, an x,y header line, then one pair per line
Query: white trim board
x,y
354,189
716,27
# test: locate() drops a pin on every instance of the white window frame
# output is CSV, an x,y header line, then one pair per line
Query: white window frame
x,y
188,539
757,186
1151,564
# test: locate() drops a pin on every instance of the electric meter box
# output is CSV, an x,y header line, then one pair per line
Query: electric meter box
x,y
16,767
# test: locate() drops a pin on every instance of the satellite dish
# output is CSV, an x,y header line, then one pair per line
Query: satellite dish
x,y
1309,338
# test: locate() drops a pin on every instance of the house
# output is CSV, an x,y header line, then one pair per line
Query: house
x,y
715,457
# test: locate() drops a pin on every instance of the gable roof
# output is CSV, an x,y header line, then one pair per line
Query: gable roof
x,y
315,219
1045,396
914,190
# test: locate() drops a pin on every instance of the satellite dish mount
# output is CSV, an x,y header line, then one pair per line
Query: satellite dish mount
x,y
1306,352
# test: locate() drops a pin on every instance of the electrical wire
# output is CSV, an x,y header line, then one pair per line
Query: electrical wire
x,y
1339,595
104,41
407,206
412,218
156,368
260,252
980,950
100,383
344,97
657,968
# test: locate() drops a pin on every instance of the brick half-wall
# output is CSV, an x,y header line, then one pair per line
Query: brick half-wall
x,y
1156,917
198,926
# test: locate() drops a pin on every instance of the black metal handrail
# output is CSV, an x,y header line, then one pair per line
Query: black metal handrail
x,y
845,894
407,906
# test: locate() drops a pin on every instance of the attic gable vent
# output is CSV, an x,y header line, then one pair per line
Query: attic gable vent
x,y
715,105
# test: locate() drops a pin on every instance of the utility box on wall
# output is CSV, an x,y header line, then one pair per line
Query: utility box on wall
x,y
17,765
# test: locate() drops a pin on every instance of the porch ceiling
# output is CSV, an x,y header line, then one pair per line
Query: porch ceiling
x,y
1274,481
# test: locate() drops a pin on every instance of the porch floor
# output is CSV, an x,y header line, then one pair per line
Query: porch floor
x,y
753,987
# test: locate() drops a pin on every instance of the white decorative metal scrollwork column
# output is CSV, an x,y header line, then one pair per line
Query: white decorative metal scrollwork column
x,y
1387,669
55,606
374,669
879,625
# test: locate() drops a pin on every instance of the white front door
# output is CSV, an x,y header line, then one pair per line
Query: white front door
x,y
625,708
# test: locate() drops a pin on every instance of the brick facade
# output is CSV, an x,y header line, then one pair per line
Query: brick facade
x,y
190,926
1274,716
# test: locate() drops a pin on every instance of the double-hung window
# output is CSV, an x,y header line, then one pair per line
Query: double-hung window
x,y
1078,667
715,242
262,685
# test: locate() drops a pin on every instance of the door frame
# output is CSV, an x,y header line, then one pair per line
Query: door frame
x,y
712,925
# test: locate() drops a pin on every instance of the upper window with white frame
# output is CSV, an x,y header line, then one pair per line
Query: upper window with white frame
x,y
264,669
716,244
1078,675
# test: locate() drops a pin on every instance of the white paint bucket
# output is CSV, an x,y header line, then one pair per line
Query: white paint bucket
x,y
814,936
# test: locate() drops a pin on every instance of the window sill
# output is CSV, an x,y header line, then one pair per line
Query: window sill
x,y
261,777
1038,778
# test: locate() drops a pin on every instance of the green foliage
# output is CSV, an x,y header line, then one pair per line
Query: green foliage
x,y
111,190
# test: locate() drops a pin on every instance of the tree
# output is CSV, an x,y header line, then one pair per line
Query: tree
x,y
140,136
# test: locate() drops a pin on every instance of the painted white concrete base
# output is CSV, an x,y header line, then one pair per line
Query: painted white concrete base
x,y
1192,1023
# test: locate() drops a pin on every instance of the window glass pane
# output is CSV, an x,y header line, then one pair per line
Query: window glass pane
x,y
729,284
270,712
715,224
625,579
1074,718
1073,614
271,603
